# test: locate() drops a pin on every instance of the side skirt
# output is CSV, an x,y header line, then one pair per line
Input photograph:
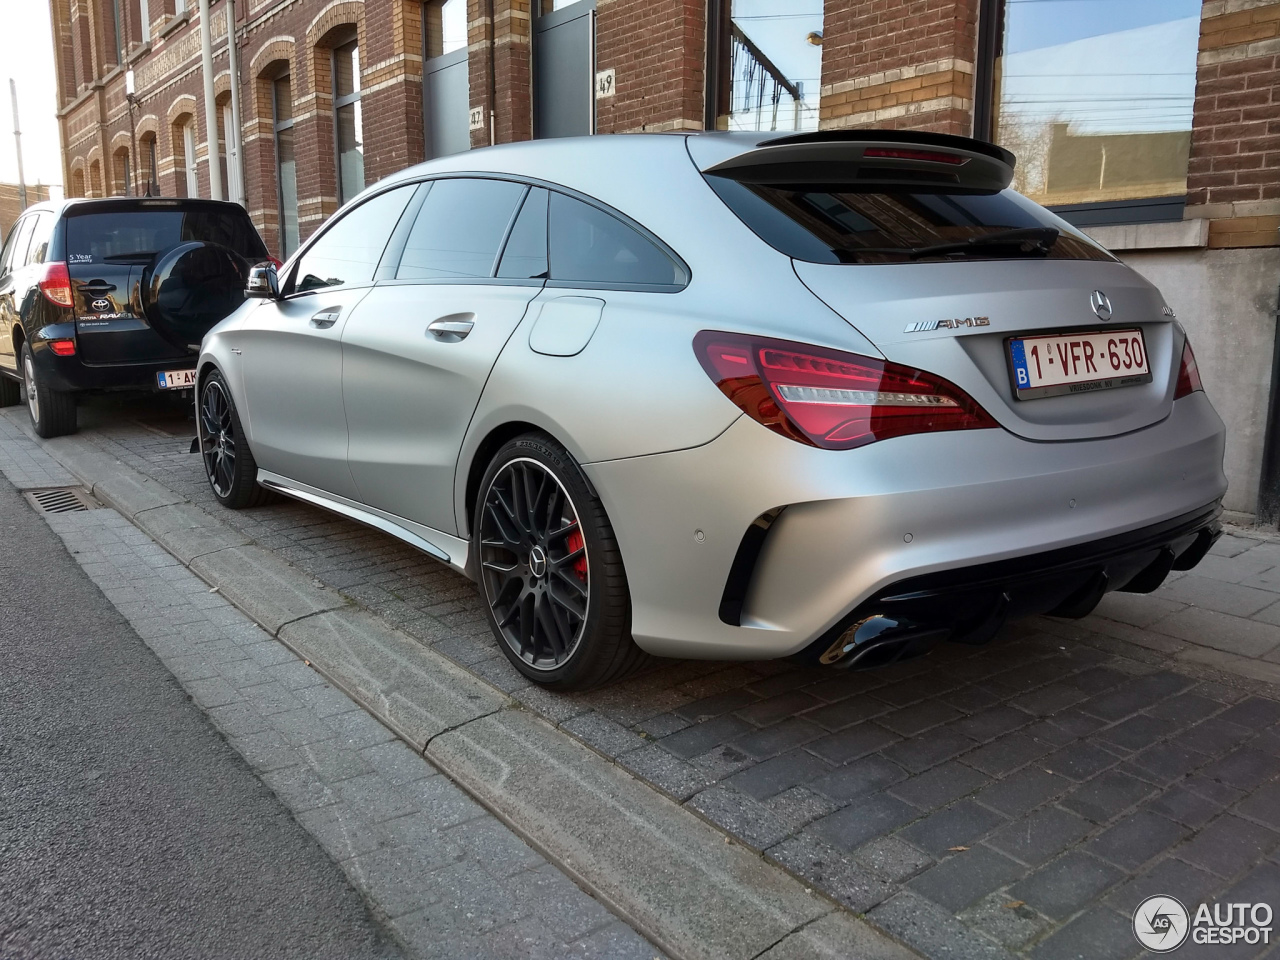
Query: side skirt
x,y
441,546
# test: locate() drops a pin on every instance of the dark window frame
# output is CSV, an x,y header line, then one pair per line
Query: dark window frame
x,y
278,125
991,14
345,40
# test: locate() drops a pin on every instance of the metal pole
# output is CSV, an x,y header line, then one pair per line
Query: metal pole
x,y
133,139
233,135
17,139
210,108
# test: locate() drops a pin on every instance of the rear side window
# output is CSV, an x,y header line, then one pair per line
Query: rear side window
x,y
23,242
590,246
39,245
347,253
844,223
135,236
459,230
525,256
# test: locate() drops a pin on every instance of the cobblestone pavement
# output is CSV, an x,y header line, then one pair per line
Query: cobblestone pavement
x,y
451,879
1020,798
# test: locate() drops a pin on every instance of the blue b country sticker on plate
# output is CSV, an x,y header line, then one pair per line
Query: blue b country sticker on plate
x,y
164,383
1018,354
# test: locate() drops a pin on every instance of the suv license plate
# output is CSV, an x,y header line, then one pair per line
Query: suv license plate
x,y
176,379
1077,363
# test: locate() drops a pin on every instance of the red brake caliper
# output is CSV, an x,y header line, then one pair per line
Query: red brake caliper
x,y
572,543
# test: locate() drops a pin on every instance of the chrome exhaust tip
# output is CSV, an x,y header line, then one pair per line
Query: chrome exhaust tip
x,y
878,640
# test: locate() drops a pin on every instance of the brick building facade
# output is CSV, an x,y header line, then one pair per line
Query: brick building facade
x,y
1189,195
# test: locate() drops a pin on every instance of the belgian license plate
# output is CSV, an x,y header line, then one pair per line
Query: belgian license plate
x,y
1064,363
176,379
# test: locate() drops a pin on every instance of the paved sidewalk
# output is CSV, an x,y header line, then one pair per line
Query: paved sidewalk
x,y
1015,799
452,880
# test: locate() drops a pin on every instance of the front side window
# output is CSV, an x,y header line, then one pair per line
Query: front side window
x,y
590,246
1095,97
347,253
459,230
286,164
770,65
348,121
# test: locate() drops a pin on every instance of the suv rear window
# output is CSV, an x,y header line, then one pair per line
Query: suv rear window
x,y
844,223
135,236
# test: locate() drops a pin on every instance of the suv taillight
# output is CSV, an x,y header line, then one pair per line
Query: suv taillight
x,y
830,399
55,283
1188,373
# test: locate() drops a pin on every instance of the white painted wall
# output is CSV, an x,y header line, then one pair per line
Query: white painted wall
x,y
1226,300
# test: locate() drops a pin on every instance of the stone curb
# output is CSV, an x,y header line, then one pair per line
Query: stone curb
x,y
676,879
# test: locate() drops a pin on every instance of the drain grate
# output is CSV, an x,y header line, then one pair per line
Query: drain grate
x,y
61,500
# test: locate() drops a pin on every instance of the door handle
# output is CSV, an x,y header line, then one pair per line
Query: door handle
x,y
325,318
451,329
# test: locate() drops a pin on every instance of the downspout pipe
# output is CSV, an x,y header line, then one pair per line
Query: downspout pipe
x,y
210,107
235,146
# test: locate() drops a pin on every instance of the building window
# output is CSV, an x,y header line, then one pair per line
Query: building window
x,y
118,15
286,165
149,156
144,14
228,161
770,64
189,158
347,120
122,173
1095,97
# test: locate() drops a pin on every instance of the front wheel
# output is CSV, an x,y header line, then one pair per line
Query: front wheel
x,y
53,412
228,462
550,570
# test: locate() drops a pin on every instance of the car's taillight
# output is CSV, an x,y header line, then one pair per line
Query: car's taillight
x,y
1188,373
829,398
63,348
55,283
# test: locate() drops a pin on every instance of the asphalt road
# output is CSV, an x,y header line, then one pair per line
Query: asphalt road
x,y
128,827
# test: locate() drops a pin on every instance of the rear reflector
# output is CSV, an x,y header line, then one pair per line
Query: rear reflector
x,y
828,398
63,348
1188,373
55,283
905,153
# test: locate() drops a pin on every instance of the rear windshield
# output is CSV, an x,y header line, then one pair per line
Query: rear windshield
x,y
135,236
849,224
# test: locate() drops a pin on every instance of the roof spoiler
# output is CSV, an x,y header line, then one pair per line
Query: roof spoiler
x,y
895,158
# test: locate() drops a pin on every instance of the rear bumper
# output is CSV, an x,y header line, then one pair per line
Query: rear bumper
x,y
72,374
970,604
856,525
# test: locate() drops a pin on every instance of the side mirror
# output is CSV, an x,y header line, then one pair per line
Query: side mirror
x,y
263,282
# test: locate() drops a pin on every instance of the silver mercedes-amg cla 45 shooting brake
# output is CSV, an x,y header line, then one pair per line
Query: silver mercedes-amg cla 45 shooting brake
x,y
837,396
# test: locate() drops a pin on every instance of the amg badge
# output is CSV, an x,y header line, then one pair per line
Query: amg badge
x,y
925,326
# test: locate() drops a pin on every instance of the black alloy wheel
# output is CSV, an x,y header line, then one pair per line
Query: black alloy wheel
x,y
228,462
217,438
550,569
534,563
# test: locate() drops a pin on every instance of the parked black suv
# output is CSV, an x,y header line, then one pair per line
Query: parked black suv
x,y
115,295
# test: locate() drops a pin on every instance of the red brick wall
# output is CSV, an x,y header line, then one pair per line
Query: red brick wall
x,y
657,49
899,64
1234,173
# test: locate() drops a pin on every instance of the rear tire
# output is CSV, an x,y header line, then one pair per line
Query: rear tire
x,y
550,570
53,412
10,391
224,452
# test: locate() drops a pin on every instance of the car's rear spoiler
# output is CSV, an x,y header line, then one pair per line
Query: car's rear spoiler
x,y
873,157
